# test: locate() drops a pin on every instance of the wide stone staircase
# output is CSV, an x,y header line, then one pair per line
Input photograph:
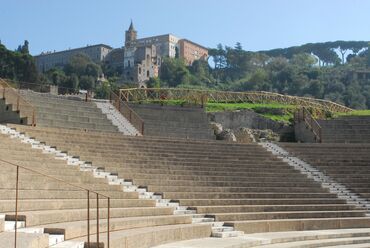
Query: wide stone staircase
x,y
238,185
346,129
174,121
51,211
347,164
64,112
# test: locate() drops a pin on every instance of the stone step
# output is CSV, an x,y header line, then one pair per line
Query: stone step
x,y
142,237
259,226
288,215
36,218
78,229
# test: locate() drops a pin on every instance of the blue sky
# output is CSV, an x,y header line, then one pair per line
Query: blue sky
x,y
258,24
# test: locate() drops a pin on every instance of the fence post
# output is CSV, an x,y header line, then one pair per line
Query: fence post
x,y
33,118
97,219
88,219
16,207
18,102
108,226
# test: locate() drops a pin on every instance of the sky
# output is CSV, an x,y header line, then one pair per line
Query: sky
x,y
58,25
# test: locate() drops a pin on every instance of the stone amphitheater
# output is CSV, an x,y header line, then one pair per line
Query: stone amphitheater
x,y
80,174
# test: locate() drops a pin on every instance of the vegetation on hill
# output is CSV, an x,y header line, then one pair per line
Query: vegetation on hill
x,y
321,70
18,65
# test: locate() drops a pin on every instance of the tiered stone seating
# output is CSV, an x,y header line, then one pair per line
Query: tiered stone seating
x,y
347,129
343,238
59,111
174,121
241,185
60,208
348,164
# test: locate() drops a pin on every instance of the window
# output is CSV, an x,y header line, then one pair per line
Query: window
x,y
147,73
139,70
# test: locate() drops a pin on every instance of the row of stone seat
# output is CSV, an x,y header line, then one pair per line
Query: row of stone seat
x,y
54,206
347,129
57,111
241,185
174,121
348,164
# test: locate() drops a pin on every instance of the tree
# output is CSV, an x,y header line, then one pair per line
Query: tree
x,y
25,49
304,60
17,66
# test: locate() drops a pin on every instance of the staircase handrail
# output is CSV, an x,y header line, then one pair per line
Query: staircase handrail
x,y
14,97
127,112
88,191
304,115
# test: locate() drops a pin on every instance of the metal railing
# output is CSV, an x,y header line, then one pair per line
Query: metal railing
x,y
303,115
48,88
12,96
127,112
88,191
204,96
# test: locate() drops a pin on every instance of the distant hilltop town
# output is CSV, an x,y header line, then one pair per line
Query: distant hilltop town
x,y
139,59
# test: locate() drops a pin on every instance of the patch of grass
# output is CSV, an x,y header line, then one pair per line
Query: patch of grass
x,y
219,107
287,118
273,111
353,113
165,102
268,110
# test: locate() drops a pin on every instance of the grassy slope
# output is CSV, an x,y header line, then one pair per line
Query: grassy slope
x,y
287,109
219,107
354,113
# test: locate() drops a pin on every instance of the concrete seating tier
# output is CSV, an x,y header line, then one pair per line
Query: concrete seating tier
x,y
347,129
174,121
57,208
58,111
348,164
241,185
343,238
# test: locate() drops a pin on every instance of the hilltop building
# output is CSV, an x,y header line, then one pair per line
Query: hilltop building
x,y
49,60
139,59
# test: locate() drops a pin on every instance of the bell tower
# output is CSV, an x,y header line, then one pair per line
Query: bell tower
x,y
130,35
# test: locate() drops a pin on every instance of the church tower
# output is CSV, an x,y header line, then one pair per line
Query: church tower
x,y
130,35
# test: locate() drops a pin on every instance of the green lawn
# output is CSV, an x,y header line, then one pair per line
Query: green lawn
x,y
217,107
267,110
354,113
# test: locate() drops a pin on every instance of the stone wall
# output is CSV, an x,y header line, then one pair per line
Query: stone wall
x,y
249,119
7,115
303,133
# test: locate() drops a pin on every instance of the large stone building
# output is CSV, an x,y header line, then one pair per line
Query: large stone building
x,y
140,62
191,51
48,60
139,59
142,57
